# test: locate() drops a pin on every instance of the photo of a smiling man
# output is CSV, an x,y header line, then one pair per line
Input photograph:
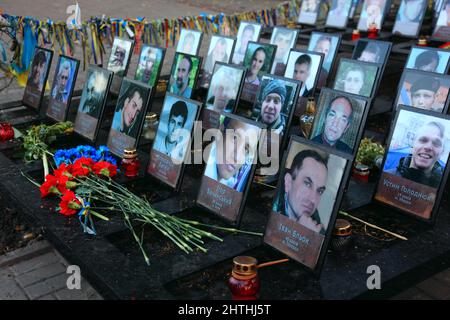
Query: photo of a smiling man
x,y
416,161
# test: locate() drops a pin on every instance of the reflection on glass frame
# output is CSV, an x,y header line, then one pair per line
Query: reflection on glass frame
x,y
356,77
226,84
92,102
423,90
129,116
372,13
62,88
428,59
258,60
309,12
149,65
409,18
441,30
189,42
415,166
220,50
328,44
375,51
304,66
248,31
338,14
339,121
285,39
230,167
37,77
184,73
120,57
172,143
304,211
355,4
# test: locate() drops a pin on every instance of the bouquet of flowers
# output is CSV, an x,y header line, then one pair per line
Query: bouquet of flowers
x,y
84,176
369,152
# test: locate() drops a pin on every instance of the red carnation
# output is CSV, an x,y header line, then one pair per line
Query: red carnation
x,y
69,204
63,170
82,167
105,168
49,186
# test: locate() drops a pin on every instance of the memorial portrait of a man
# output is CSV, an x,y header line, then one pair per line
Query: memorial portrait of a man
x,y
120,56
428,59
247,32
189,41
94,92
224,88
183,75
63,80
285,40
39,69
149,65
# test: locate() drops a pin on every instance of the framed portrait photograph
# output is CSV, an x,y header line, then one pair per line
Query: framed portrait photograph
x,y
184,73
409,18
232,158
428,59
223,93
309,12
274,108
375,51
149,65
258,60
92,102
328,44
356,77
285,39
441,30
423,90
189,42
310,189
172,144
37,78
248,31
120,57
415,166
339,121
304,66
129,116
62,88
220,49
338,14
372,12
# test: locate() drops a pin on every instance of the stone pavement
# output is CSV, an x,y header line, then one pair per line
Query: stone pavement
x,y
38,272
435,288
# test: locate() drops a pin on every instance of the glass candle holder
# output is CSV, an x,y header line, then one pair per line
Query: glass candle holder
x,y
244,282
355,35
130,163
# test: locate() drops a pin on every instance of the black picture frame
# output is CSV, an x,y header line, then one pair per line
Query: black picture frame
x,y
206,111
437,50
127,64
374,87
205,81
197,72
179,180
319,68
291,111
359,130
158,72
146,105
334,26
420,73
109,75
335,51
272,40
235,222
316,271
25,101
71,89
258,35
433,36
383,15
440,190
421,18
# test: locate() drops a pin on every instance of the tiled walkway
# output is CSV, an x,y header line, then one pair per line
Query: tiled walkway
x,y
38,272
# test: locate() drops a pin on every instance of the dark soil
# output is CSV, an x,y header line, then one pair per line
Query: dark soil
x,y
14,231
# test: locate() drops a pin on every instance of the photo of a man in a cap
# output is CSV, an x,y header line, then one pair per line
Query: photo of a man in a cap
x,y
423,93
273,98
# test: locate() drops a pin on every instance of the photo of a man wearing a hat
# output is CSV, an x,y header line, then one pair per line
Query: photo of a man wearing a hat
x,y
423,93
272,102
